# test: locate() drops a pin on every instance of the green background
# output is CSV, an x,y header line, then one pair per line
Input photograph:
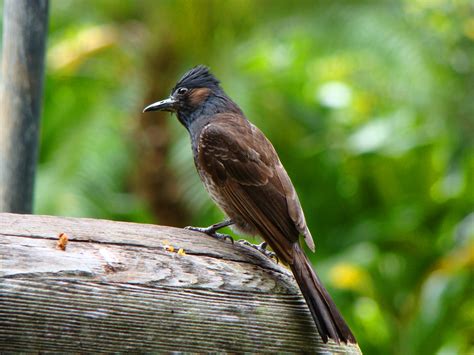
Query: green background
x,y
369,104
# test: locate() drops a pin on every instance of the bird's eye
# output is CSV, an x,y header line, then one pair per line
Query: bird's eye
x,y
182,91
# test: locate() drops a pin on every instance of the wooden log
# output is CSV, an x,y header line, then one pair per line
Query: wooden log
x,y
117,288
25,25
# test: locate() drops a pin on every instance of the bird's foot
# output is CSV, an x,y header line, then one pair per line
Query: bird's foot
x,y
262,248
211,231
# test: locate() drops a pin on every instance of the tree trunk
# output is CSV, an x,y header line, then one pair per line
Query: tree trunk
x,y
120,287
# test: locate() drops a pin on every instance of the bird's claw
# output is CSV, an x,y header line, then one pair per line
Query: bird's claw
x,y
262,248
211,232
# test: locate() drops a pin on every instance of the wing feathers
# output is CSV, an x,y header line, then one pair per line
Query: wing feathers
x,y
239,158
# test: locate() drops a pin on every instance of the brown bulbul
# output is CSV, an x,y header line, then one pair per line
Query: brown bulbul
x,y
244,176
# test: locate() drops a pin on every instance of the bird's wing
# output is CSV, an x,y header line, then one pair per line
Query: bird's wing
x,y
245,166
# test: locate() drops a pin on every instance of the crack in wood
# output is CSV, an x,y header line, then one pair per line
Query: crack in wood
x,y
137,245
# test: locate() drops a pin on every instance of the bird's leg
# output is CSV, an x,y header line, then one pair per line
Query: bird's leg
x,y
262,248
212,230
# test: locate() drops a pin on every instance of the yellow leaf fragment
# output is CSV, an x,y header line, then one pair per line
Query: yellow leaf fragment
x,y
167,246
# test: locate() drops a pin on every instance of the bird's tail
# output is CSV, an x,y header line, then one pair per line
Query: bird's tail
x,y
323,309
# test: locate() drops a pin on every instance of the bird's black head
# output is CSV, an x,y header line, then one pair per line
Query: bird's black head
x,y
197,94
197,77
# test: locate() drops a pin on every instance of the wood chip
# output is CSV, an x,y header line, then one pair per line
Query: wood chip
x,y
62,242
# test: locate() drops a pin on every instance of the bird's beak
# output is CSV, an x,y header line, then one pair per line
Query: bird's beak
x,y
163,105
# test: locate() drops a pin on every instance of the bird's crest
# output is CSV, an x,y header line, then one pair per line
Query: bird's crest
x,y
199,76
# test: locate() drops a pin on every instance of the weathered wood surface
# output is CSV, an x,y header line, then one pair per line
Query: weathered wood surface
x,y
116,289
25,25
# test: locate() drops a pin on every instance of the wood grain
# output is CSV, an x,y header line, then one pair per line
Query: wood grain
x,y
115,288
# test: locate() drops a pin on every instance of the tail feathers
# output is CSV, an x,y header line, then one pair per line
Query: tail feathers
x,y
329,321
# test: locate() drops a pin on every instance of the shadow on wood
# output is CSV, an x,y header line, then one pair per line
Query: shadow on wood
x,y
116,288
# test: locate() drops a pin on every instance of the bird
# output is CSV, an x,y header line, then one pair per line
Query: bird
x,y
244,176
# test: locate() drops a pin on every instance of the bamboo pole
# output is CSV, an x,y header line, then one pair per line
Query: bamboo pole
x,y
25,26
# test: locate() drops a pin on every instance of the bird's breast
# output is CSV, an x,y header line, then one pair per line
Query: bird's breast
x,y
241,224
211,187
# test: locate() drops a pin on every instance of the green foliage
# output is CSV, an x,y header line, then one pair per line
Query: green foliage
x,y
368,104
